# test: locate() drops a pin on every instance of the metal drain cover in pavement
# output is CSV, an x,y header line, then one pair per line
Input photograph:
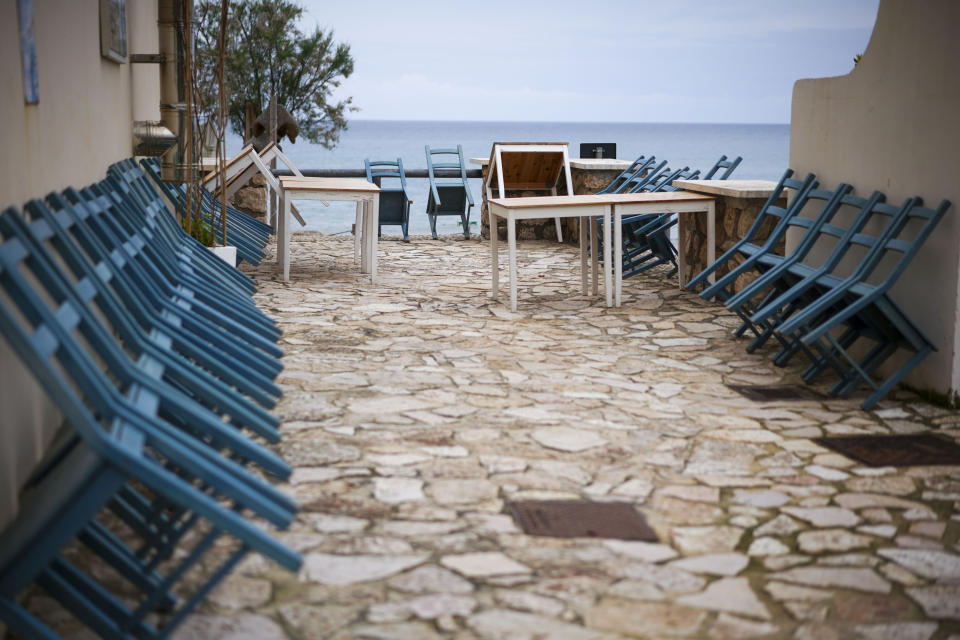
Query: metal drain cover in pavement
x,y
895,451
574,519
761,393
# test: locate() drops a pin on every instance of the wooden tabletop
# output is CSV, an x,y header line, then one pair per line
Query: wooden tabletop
x,y
599,199
304,183
588,164
730,188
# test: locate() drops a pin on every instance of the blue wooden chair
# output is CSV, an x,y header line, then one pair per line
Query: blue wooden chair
x,y
728,166
162,303
248,234
865,311
151,366
129,218
786,283
142,187
638,167
816,209
452,196
124,304
177,387
394,200
118,444
770,212
171,280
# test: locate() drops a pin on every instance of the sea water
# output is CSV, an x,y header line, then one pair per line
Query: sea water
x,y
764,148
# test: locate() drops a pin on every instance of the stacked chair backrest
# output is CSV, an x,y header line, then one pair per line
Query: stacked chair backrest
x,y
637,168
728,167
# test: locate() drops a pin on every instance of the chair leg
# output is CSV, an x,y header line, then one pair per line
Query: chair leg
x,y
433,225
559,229
466,226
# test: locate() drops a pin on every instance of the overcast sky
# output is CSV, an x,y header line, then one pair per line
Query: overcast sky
x,y
591,61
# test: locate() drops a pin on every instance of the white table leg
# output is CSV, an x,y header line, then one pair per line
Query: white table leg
x,y
582,232
374,224
494,258
284,234
357,232
594,258
365,237
512,250
712,238
607,290
617,254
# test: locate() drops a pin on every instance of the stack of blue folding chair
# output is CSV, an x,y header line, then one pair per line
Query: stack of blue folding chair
x,y
249,235
646,237
837,310
163,369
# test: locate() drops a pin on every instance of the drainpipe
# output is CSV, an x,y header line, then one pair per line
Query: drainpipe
x,y
175,36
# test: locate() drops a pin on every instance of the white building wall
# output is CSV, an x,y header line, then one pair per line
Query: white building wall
x,y
82,124
893,124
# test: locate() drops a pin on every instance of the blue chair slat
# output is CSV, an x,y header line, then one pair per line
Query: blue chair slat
x,y
394,200
452,197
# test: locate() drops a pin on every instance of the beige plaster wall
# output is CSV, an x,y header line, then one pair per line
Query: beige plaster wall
x,y
893,124
82,124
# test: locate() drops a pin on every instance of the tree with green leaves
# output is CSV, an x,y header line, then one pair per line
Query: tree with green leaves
x,y
266,51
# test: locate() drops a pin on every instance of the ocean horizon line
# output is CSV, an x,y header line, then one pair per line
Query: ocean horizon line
x,y
573,122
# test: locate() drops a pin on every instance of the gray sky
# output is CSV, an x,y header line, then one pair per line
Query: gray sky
x,y
582,61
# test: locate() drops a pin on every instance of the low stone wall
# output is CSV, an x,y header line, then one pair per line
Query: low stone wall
x,y
734,217
584,181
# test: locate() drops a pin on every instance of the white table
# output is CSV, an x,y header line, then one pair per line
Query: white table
x,y
331,189
610,208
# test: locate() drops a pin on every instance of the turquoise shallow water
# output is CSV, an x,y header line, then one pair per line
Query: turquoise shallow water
x,y
764,148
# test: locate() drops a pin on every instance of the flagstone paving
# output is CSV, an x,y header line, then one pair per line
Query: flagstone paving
x,y
414,409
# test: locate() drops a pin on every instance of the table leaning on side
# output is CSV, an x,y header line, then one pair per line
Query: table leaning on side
x,y
330,189
610,208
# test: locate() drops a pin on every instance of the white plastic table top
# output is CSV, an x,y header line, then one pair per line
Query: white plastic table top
x,y
334,189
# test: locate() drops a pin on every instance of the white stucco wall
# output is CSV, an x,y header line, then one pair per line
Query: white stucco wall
x,y
893,124
82,124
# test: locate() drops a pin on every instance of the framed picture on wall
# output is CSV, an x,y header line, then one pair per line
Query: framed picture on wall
x,y
113,30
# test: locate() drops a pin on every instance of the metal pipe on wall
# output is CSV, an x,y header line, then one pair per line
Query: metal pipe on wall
x,y
175,27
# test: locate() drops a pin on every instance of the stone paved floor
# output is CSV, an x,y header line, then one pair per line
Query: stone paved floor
x,y
414,409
